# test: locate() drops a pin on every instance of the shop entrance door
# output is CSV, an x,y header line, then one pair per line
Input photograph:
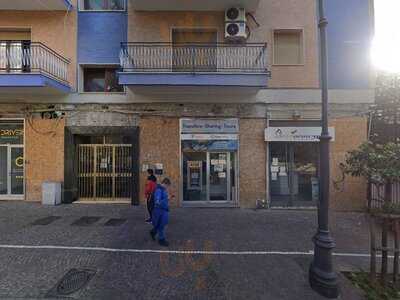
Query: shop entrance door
x,y
209,177
293,174
218,176
11,172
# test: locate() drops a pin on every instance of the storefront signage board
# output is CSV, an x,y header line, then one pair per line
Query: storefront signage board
x,y
210,126
295,134
209,145
11,133
204,137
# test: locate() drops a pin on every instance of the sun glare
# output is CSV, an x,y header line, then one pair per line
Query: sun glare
x,y
386,44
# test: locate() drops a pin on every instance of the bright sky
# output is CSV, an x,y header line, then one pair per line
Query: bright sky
x,y
386,45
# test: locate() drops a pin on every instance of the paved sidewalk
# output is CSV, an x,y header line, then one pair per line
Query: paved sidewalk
x,y
279,271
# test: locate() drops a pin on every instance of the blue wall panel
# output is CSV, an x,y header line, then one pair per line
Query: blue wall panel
x,y
100,35
349,40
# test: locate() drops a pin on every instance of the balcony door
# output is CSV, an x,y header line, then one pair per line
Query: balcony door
x,y
194,49
14,50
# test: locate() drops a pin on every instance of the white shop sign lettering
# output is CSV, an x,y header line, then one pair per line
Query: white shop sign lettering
x,y
210,125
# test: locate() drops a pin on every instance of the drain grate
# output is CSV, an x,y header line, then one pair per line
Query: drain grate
x,y
86,221
46,221
115,222
73,281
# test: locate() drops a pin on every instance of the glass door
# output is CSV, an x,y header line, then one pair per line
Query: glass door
x,y
208,177
219,177
194,176
293,173
11,171
16,175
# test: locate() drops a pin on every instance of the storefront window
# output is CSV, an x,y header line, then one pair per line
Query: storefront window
x,y
294,174
11,133
103,4
195,176
209,175
3,171
209,149
11,158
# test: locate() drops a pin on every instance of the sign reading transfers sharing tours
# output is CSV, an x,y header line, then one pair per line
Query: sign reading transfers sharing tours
x,y
295,134
210,126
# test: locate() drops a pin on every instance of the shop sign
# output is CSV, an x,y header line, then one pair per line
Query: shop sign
x,y
11,133
207,145
210,126
199,136
295,134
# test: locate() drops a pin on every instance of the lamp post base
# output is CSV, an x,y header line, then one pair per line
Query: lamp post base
x,y
323,283
322,278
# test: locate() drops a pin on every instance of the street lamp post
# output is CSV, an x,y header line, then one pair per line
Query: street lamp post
x,y
322,277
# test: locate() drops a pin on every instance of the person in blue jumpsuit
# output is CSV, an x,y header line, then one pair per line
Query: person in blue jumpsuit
x,y
160,212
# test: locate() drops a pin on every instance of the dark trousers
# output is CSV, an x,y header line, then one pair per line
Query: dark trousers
x,y
150,205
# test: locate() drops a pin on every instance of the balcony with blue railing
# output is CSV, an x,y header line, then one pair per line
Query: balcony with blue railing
x,y
35,5
32,68
170,64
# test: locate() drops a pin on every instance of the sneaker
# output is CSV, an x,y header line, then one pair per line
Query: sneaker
x,y
163,243
148,221
153,235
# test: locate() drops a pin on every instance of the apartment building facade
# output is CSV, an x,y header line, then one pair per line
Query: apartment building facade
x,y
221,96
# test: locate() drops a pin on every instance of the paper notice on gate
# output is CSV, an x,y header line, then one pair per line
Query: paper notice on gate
x,y
274,169
219,168
222,175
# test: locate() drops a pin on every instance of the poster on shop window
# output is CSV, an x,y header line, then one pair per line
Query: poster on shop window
x,y
194,174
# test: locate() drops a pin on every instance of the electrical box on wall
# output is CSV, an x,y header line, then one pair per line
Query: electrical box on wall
x,y
235,24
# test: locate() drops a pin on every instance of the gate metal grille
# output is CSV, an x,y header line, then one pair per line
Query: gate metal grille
x,y
105,172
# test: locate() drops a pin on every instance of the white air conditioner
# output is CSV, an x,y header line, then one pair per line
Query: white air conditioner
x,y
235,31
235,14
235,24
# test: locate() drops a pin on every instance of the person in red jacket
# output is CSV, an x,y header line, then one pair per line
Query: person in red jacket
x,y
151,186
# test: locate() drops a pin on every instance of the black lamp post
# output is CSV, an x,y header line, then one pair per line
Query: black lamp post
x,y
322,277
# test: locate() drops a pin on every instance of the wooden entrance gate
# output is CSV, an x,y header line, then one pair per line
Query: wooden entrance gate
x,y
105,172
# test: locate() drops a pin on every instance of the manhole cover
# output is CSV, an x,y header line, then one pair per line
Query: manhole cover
x,y
86,221
73,281
46,220
115,222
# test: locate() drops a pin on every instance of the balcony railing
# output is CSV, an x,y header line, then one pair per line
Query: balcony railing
x,y
26,57
192,5
194,58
